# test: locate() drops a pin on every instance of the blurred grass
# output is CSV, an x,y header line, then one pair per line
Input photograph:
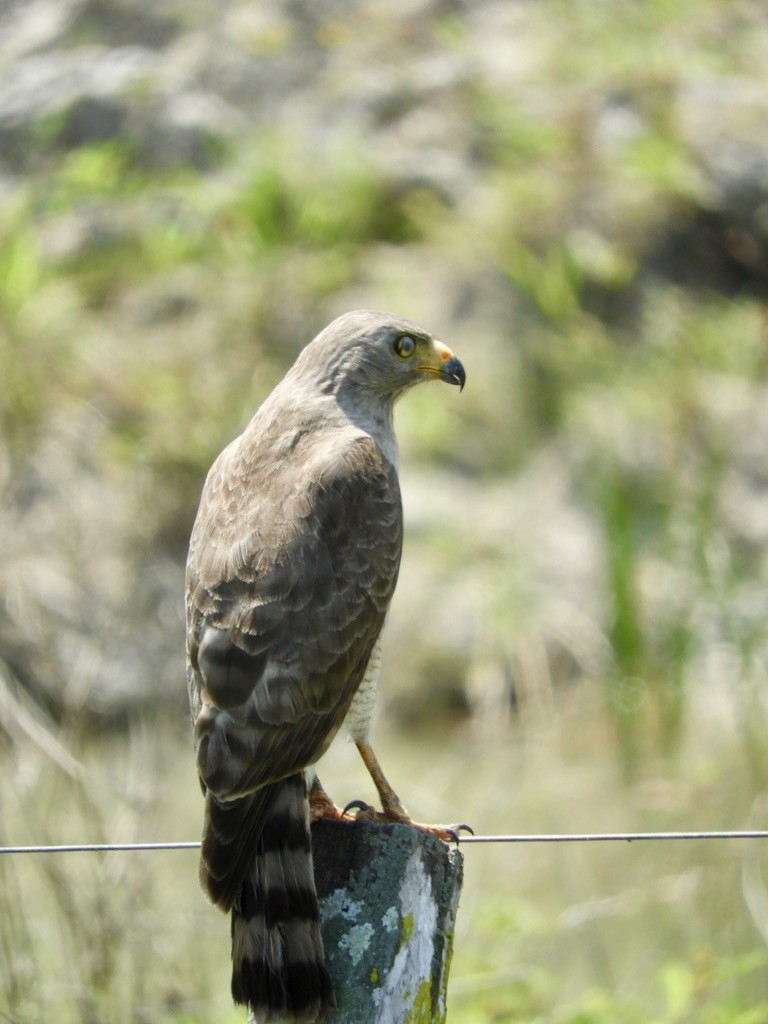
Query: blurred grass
x,y
591,933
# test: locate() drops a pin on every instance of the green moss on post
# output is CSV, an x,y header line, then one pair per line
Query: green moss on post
x,y
388,899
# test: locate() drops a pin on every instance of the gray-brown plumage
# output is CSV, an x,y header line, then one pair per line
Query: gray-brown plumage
x,y
292,564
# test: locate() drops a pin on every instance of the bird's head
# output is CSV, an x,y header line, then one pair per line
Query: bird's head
x,y
380,353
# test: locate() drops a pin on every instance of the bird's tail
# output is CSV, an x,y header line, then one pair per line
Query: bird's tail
x,y
278,965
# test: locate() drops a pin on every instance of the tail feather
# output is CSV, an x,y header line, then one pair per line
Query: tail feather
x,y
230,835
278,965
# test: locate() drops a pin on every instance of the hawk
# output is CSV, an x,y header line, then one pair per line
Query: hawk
x,y
292,564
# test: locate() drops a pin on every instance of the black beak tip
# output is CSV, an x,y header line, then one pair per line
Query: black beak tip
x,y
453,373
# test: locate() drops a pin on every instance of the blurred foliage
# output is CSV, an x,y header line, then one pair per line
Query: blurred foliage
x,y
146,310
170,299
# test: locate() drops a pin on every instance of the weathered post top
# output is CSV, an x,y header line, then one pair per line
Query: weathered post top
x,y
388,900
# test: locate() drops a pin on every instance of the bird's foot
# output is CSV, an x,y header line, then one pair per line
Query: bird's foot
x,y
398,815
321,805
326,809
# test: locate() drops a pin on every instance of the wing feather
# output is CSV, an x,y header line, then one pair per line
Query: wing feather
x,y
291,569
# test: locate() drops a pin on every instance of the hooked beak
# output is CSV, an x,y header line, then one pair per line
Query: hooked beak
x,y
445,364
452,372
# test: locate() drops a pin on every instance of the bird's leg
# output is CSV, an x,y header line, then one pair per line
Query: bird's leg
x,y
391,806
320,804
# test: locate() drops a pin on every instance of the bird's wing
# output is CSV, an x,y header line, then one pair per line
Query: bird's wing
x,y
288,583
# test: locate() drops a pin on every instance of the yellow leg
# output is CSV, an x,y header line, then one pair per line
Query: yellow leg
x,y
390,801
392,809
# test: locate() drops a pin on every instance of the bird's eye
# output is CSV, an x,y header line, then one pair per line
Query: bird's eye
x,y
405,346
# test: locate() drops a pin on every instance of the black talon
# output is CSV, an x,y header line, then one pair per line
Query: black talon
x,y
454,831
360,805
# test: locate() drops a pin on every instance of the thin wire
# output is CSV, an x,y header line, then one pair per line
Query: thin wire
x,y
571,837
99,847
627,837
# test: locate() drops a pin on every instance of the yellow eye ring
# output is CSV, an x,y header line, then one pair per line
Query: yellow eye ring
x,y
405,346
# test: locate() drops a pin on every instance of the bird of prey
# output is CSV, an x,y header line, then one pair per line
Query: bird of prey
x,y
292,564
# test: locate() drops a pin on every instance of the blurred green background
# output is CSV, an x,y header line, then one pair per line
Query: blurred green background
x,y
573,196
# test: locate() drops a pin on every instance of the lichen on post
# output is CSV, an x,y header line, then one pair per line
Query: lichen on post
x,y
388,901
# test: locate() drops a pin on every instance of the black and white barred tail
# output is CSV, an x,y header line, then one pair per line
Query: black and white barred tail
x,y
278,965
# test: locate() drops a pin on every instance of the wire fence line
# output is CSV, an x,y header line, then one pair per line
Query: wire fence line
x,y
609,837
100,847
568,837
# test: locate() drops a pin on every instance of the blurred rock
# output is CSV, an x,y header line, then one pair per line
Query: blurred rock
x,y
77,580
27,28
724,122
